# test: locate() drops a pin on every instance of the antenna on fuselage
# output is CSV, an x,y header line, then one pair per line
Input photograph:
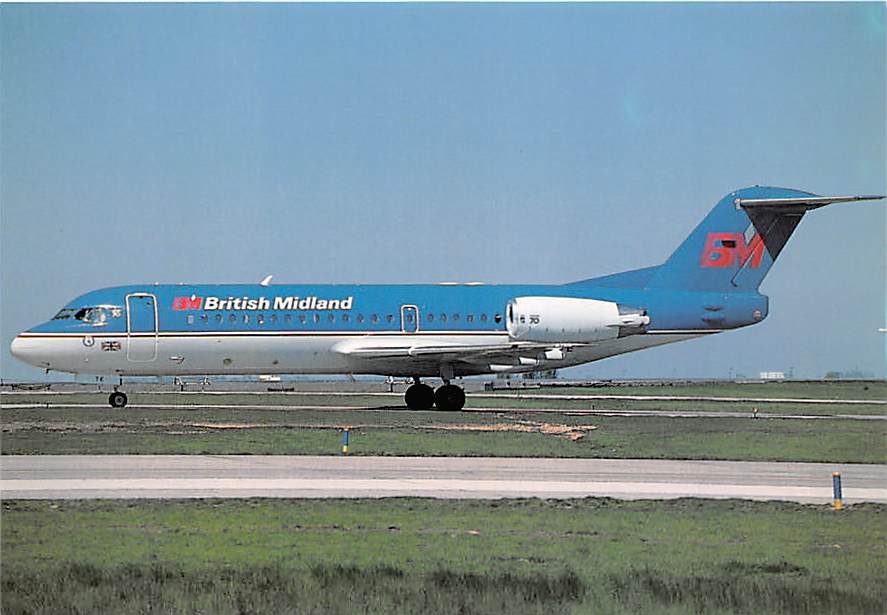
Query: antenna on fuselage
x,y
266,281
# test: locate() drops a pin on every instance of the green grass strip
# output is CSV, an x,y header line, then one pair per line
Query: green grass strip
x,y
409,555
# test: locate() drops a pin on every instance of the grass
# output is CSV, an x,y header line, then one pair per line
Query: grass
x,y
273,589
401,432
825,389
519,399
383,429
742,588
742,406
410,555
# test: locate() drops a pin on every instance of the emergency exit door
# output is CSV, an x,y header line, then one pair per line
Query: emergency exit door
x,y
409,318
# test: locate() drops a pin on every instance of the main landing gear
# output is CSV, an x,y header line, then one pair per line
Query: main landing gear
x,y
419,397
447,397
117,399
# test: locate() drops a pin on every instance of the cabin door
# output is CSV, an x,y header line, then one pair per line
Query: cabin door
x,y
141,327
409,319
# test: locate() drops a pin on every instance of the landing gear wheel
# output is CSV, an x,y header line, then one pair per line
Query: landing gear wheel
x,y
449,397
117,399
419,397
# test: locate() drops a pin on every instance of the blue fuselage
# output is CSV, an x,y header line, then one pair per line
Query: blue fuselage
x,y
377,309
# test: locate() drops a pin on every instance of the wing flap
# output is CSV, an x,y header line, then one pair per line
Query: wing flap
x,y
469,353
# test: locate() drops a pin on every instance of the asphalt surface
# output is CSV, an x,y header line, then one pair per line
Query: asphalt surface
x,y
523,395
228,476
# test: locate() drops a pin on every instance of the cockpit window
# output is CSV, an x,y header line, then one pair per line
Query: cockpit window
x,y
63,314
96,316
91,315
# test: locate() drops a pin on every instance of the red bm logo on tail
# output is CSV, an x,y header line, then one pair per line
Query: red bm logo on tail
x,y
187,303
730,250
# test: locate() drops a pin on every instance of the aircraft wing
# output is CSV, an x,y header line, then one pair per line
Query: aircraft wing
x,y
507,352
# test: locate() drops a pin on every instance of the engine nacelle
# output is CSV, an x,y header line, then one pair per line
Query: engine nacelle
x,y
568,319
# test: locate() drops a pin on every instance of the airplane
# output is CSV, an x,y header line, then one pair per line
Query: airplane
x,y
708,285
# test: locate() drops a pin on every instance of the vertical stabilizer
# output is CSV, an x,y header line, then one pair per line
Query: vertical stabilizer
x,y
734,247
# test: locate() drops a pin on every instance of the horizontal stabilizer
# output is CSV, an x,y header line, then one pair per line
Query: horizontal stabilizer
x,y
805,202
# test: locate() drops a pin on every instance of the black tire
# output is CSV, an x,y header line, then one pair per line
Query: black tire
x,y
419,397
117,399
449,397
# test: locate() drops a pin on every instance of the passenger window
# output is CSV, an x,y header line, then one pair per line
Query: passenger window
x,y
455,317
374,318
390,318
246,318
360,318
331,317
260,318
443,317
469,317
346,317
190,319
303,319
483,318
218,318
498,317
316,318
273,319
287,318
204,318
430,317
233,318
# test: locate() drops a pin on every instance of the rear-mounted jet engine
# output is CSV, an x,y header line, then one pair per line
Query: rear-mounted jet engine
x,y
571,320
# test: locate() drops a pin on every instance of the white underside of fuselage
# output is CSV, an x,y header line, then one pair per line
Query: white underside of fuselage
x,y
174,354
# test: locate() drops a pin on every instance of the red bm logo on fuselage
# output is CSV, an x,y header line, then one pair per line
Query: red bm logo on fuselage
x,y
730,250
187,303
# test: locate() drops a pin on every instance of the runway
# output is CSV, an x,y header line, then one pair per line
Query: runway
x,y
230,476
510,395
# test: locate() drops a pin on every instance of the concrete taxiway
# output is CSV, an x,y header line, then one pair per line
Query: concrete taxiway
x,y
229,476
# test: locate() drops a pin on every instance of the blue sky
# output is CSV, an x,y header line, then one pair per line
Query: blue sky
x,y
429,142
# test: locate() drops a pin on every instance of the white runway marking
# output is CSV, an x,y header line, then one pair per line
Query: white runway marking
x,y
195,476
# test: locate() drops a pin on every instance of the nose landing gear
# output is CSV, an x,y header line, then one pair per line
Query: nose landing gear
x,y
117,399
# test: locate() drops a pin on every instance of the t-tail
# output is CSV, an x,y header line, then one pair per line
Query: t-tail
x,y
734,247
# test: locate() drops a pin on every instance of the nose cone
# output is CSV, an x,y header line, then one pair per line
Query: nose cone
x,y
27,350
